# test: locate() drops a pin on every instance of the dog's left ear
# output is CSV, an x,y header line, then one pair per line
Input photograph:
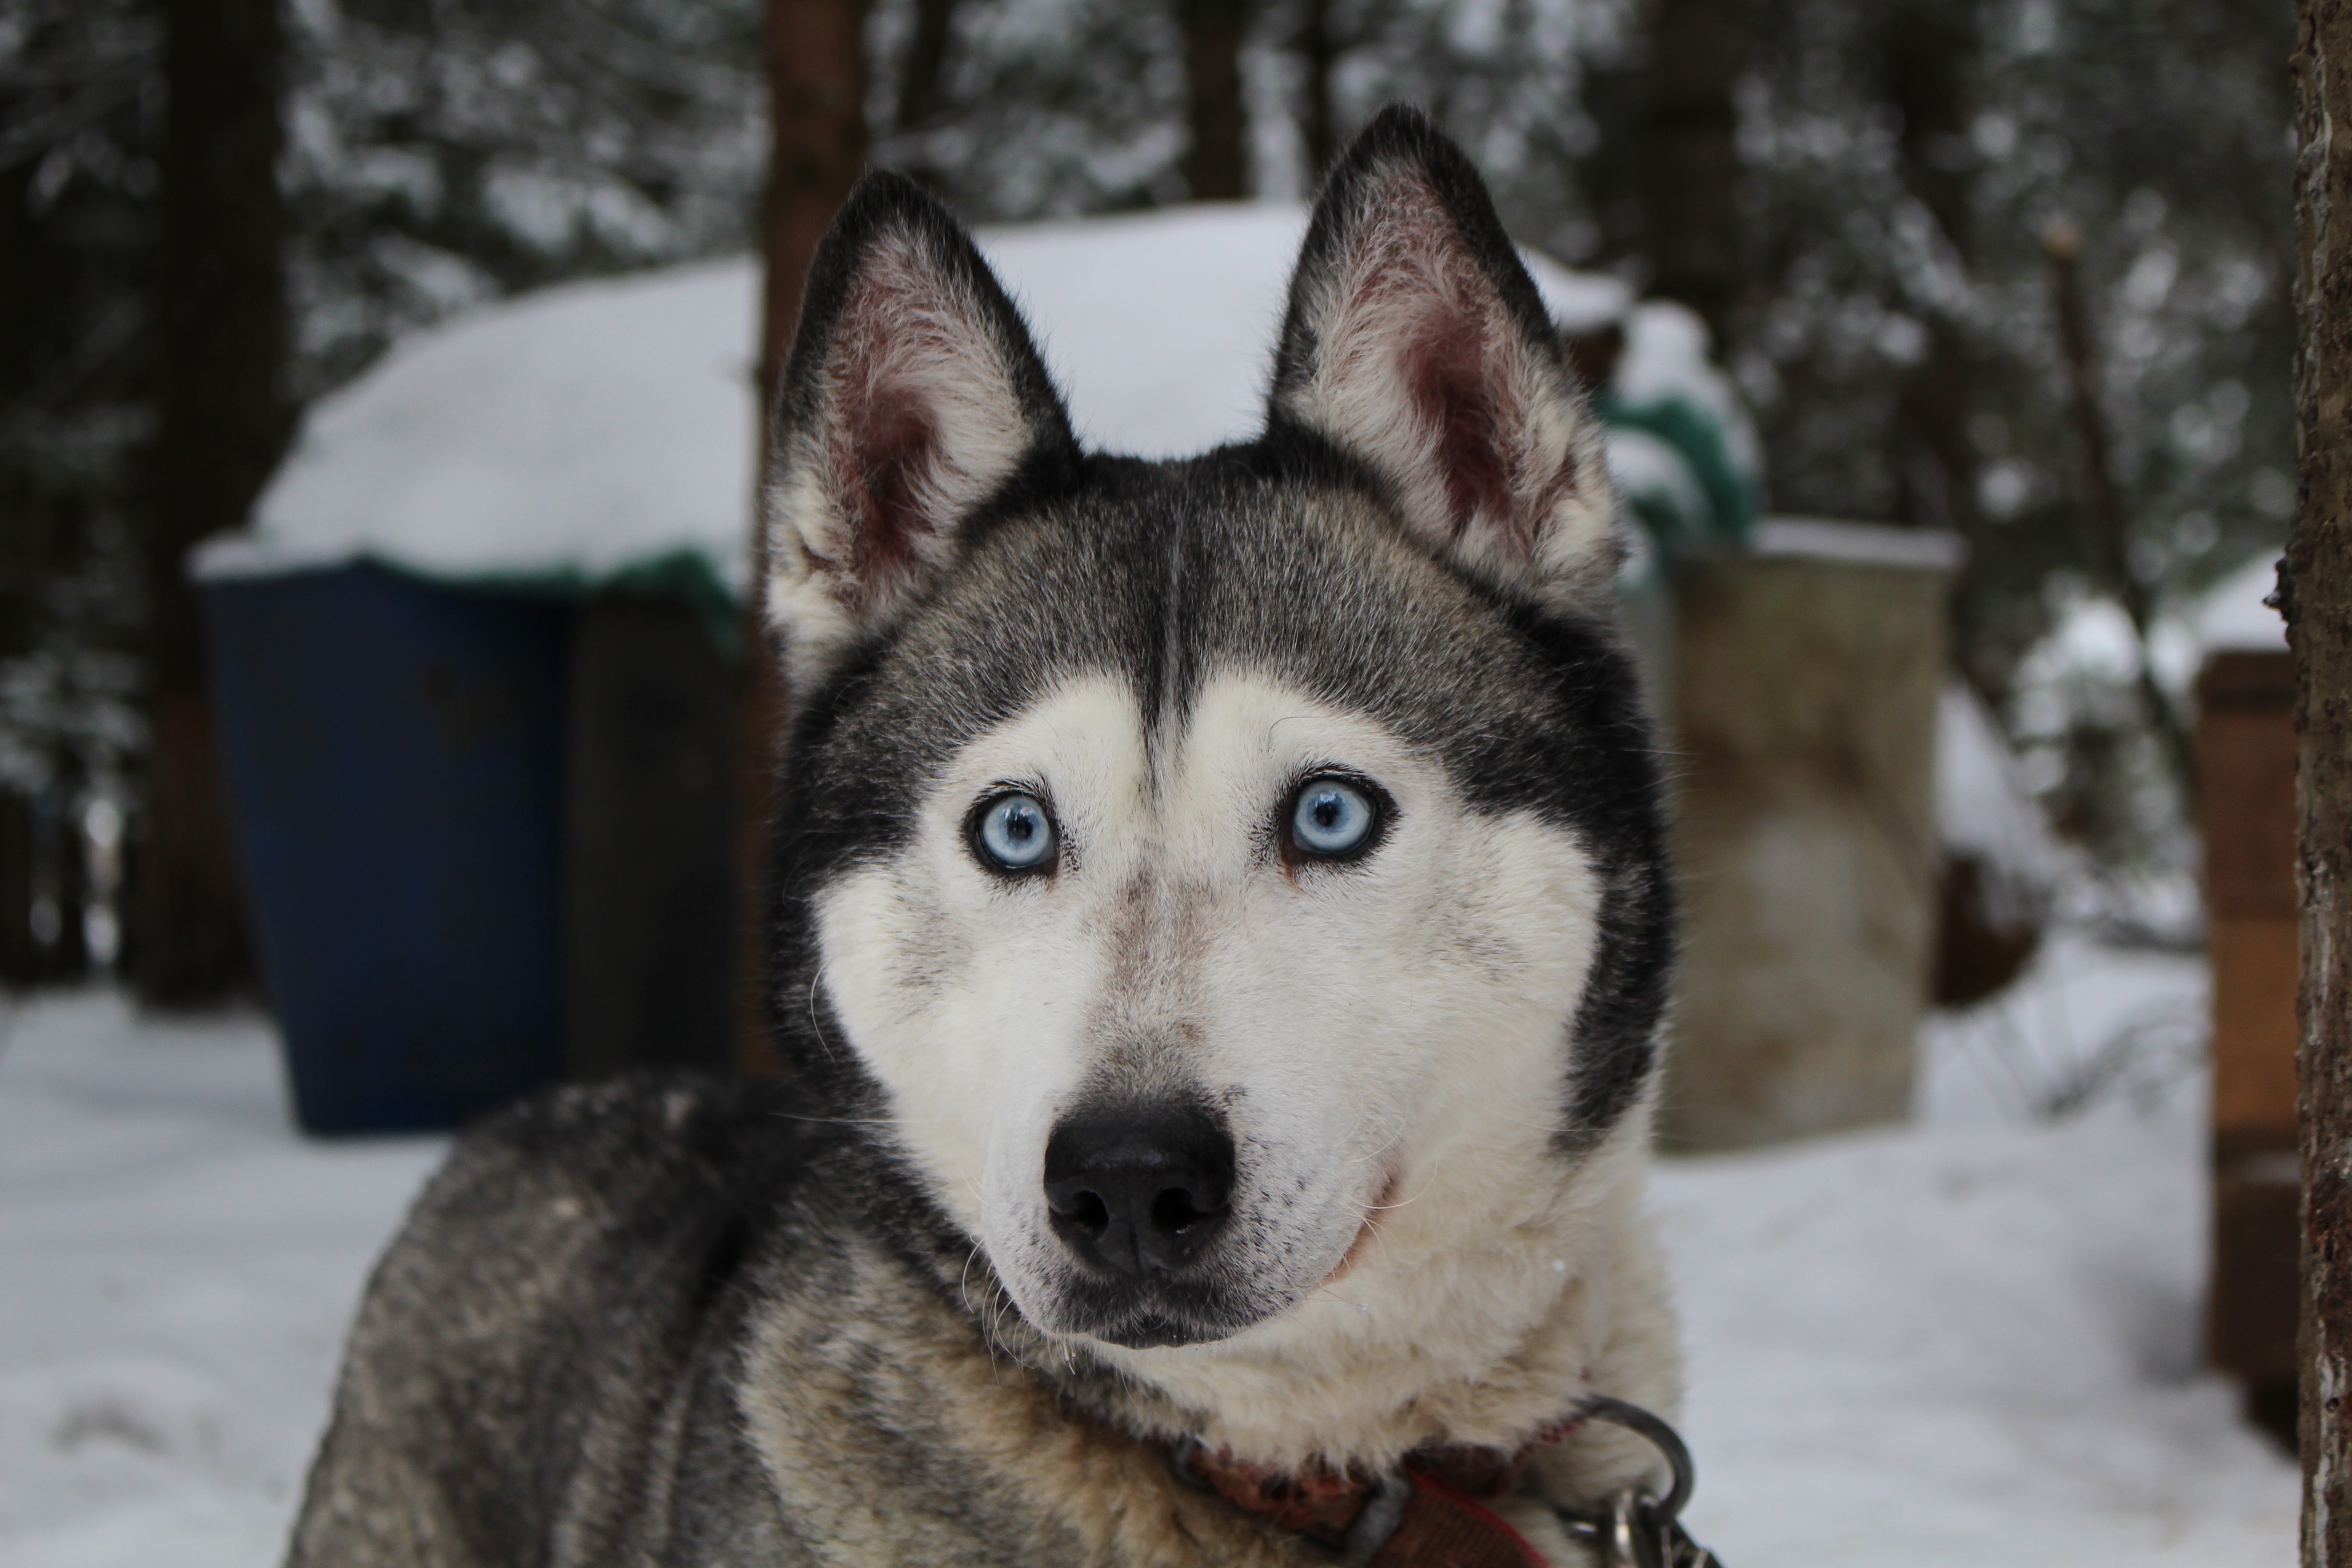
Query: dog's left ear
x,y
913,396
1416,343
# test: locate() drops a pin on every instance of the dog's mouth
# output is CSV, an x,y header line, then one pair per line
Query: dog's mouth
x,y
1366,1232
1151,1330
1146,1318
1198,1304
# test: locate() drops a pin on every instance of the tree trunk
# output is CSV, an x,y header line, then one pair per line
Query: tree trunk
x,y
21,948
816,86
1927,52
1691,199
1318,128
2316,597
920,82
1216,164
222,422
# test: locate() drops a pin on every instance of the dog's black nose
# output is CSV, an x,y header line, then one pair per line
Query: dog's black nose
x,y
1139,1189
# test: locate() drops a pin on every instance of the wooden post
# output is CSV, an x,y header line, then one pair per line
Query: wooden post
x,y
816,98
648,842
2245,759
2315,593
815,53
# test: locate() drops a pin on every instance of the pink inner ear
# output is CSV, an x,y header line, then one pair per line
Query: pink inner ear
x,y
881,450
883,466
1458,391
1413,279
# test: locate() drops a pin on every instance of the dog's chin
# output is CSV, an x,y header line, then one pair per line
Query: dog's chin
x,y
1149,1331
1146,1317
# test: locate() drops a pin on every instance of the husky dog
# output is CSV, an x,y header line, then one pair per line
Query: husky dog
x,y
1221,937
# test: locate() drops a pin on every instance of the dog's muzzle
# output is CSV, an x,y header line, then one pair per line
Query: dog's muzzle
x,y
1138,1193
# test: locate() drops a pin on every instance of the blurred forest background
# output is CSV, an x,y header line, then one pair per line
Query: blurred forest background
x,y
2014,267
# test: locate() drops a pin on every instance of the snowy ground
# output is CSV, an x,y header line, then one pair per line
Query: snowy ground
x,y
1975,1341
179,1265
1969,1342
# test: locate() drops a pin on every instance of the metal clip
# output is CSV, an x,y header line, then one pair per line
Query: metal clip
x,y
1639,1531
1633,1535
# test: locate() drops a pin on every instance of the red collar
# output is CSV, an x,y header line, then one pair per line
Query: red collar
x,y
1433,1513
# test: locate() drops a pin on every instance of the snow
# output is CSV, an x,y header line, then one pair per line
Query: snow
x,y
1648,464
1667,359
1970,1341
596,428
1984,808
1859,544
2234,616
1938,1347
1160,326
579,431
2093,642
181,1266
1975,1339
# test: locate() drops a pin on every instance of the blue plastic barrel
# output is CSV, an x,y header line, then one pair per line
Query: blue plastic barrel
x,y
394,753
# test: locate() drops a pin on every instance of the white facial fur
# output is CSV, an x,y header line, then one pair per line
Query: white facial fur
x,y
1391,1041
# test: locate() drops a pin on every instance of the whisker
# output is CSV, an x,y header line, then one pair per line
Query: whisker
x,y
815,1026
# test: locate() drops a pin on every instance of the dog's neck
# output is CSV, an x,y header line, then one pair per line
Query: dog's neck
x,y
1478,1316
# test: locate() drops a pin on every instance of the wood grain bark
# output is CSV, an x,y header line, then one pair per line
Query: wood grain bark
x,y
2315,588
815,58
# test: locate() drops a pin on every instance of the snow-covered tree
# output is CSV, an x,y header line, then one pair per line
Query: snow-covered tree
x,y
446,152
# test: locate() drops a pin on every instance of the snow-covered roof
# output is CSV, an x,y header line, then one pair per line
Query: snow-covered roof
x,y
576,433
604,429
1860,544
2234,616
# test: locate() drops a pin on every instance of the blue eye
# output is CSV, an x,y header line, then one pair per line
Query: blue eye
x,y
1333,818
1013,832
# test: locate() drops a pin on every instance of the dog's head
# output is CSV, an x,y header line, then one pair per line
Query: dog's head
x,y
1193,866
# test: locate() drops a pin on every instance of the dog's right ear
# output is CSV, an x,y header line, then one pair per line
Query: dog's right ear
x,y
914,393
1416,343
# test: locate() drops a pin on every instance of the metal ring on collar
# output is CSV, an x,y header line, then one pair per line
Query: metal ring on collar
x,y
1665,1438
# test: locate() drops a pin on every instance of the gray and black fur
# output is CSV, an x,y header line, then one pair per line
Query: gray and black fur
x,y
696,1322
